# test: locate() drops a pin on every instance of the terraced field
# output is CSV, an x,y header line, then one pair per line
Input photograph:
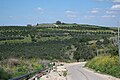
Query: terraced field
x,y
54,42
52,34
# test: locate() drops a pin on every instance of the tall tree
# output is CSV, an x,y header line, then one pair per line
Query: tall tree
x,y
58,22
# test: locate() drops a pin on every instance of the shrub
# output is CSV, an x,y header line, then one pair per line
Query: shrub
x,y
13,62
105,64
4,75
64,73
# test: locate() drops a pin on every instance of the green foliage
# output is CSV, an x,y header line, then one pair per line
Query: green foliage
x,y
23,66
83,52
64,73
4,75
45,50
58,22
49,41
105,64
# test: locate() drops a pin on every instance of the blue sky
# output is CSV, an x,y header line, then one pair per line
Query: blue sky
x,y
23,12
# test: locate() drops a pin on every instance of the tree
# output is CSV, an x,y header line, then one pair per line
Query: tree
x,y
83,52
77,56
63,23
106,41
93,46
29,25
37,24
58,22
98,42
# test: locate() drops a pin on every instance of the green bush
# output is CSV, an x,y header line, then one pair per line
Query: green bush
x,y
65,73
105,64
25,66
4,75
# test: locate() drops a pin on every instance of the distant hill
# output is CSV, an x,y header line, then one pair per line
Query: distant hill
x,y
48,41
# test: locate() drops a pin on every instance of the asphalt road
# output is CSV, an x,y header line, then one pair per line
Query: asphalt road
x,y
76,71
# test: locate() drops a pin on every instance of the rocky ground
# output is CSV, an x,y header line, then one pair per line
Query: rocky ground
x,y
74,71
57,74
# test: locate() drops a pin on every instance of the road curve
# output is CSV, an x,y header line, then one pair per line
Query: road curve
x,y
76,71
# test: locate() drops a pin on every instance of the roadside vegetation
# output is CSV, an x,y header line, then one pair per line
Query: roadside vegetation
x,y
4,75
12,67
105,64
64,73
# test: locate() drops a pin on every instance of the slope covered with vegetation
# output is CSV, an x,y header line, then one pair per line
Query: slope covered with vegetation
x,y
47,40
105,64
64,42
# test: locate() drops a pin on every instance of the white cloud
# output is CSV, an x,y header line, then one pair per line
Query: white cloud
x,y
99,0
110,12
118,1
95,10
115,12
108,16
39,8
116,7
10,16
71,14
115,1
88,17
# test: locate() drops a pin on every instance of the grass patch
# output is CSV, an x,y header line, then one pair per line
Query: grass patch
x,y
18,67
105,64
64,73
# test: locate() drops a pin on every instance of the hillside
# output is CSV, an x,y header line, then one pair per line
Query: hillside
x,y
63,42
47,40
